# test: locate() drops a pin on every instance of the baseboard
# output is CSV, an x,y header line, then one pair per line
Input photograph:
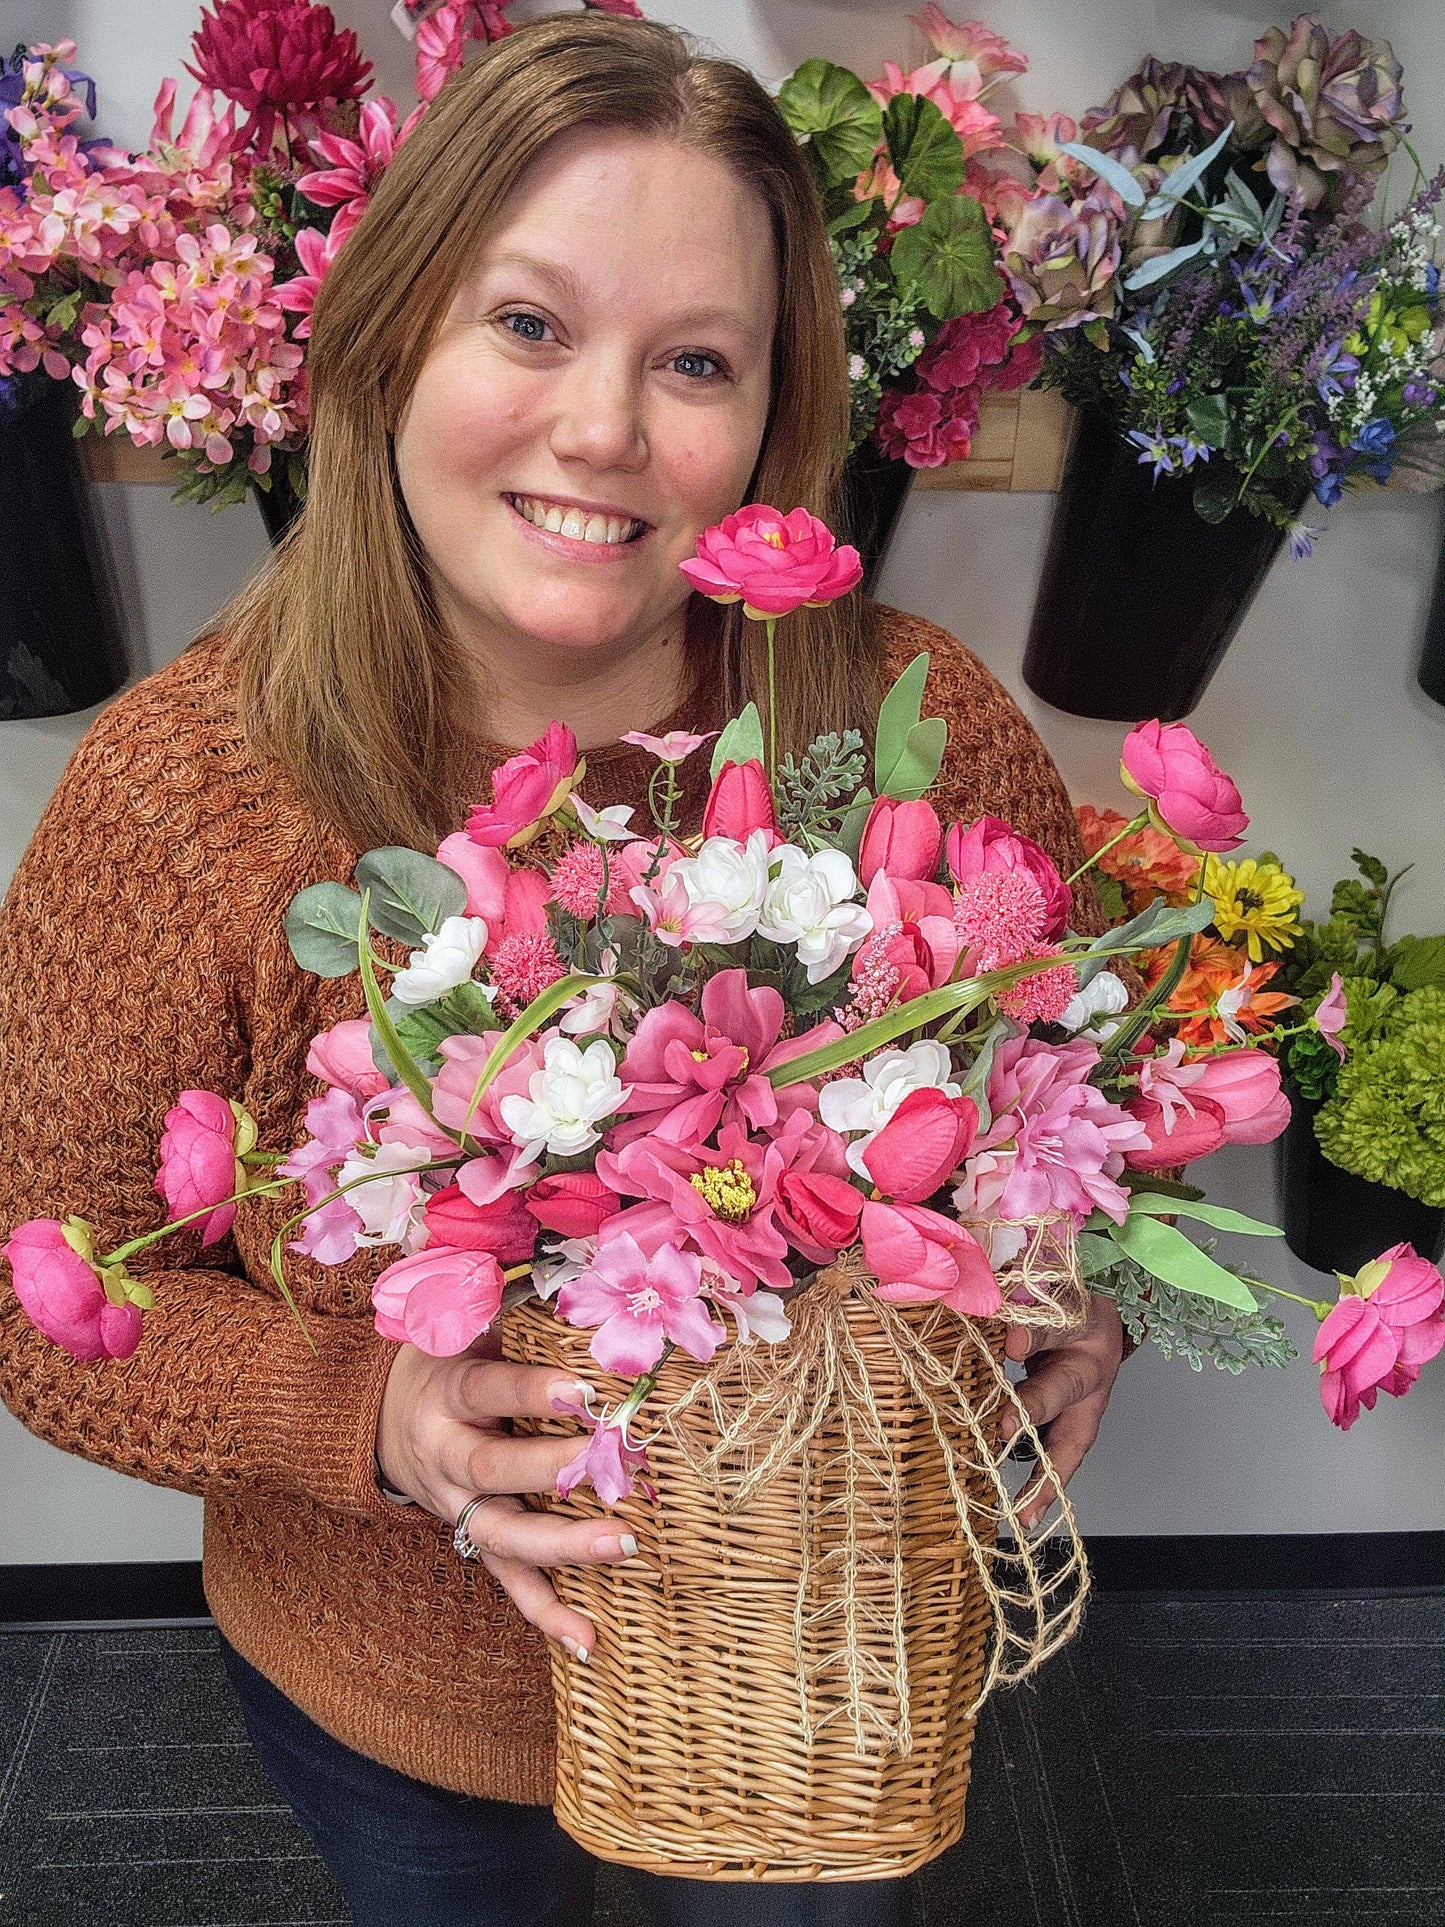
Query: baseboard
x,y
169,1593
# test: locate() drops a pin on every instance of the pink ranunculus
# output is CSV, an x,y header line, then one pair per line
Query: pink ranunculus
x,y
1387,1324
1331,1015
772,563
438,1299
918,1255
818,1213
575,1204
341,1057
638,1302
59,1290
990,844
740,802
505,1227
198,1161
609,1460
1245,1085
1188,795
902,838
526,789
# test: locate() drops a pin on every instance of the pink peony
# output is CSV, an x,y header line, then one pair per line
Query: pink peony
x,y
1187,794
902,838
505,1226
1331,1016
609,1461
438,1299
1387,1324
341,1057
60,1290
918,1255
199,1165
740,801
772,563
640,1302
990,844
526,789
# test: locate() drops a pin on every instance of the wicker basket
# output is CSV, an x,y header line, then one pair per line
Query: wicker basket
x,y
754,1710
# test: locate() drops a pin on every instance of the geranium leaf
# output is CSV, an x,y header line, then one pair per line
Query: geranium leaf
x,y
411,895
950,258
1166,1253
925,151
833,113
322,926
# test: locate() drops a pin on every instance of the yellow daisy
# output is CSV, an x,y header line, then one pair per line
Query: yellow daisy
x,y
1255,900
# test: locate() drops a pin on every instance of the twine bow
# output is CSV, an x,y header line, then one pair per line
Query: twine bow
x,y
755,1411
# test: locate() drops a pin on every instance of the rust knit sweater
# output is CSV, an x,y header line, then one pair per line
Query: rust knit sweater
x,y
142,952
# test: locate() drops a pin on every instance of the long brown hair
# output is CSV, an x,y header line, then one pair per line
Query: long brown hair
x,y
346,675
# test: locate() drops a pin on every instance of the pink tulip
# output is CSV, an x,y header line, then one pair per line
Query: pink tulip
x,y
740,802
483,870
526,789
990,844
638,1303
60,1291
918,1255
609,1460
438,1299
575,1204
1387,1324
198,1161
913,934
504,1227
818,1213
1332,1014
902,838
1177,1135
921,1145
341,1057
772,563
1187,793
1245,1086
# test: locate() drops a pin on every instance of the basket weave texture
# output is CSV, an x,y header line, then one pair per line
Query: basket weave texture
x,y
787,1678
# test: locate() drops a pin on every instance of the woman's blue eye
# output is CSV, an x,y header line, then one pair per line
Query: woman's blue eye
x,y
695,366
526,327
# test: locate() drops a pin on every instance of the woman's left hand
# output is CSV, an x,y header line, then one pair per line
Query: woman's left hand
x,y
1070,1377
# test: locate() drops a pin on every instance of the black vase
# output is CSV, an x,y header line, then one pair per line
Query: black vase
x,y
60,639
1140,597
279,504
874,491
1337,1221
1432,655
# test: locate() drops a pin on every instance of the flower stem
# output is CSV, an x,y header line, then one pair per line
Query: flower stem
x,y
772,702
1136,823
122,1252
1318,1306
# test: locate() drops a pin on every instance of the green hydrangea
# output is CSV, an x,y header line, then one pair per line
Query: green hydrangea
x,y
1386,1121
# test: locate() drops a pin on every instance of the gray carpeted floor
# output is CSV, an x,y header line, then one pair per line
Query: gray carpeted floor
x,y
1185,1763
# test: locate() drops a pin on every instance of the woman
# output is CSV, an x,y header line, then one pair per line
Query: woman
x,y
589,312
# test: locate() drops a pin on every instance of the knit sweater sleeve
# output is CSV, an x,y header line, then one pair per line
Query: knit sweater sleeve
x,y
127,973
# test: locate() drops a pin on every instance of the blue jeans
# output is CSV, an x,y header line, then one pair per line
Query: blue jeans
x,y
405,1851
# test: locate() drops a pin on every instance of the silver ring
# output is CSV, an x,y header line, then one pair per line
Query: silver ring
x,y
463,1543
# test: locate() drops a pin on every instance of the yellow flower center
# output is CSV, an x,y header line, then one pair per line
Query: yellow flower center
x,y
726,1190
774,538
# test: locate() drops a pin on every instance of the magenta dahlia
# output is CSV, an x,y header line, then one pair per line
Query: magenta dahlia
x,y
277,60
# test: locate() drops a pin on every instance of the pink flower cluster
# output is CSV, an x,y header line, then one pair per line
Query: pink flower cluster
x,y
933,421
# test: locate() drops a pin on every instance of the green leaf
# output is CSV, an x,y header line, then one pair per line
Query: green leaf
x,y
1215,496
849,836
907,753
1371,868
1107,169
925,151
1177,184
1166,1253
1158,924
322,928
1219,1216
950,258
855,215
917,767
833,113
1111,896
1096,1255
1138,1181
466,1011
1416,962
411,895
405,1065
1208,416
740,742
1096,333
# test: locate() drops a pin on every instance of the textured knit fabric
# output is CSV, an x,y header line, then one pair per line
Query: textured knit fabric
x,y
142,952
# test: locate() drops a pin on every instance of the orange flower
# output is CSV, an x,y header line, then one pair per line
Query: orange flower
x,y
1217,971
1146,865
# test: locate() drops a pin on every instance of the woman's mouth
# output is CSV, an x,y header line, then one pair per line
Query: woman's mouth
x,y
576,524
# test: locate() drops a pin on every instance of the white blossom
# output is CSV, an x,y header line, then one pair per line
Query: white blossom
x,y
566,1100
810,903
728,880
447,958
867,1103
1105,996
386,1201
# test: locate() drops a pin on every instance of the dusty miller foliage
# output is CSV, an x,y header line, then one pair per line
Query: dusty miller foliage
x,y
814,793
1192,1326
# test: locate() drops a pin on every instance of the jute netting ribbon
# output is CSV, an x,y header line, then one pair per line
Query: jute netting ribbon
x,y
760,1407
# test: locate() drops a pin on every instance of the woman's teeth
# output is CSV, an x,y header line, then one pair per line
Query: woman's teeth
x,y
573,522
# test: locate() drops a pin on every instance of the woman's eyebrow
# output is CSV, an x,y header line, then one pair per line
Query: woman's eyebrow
x,y
703,314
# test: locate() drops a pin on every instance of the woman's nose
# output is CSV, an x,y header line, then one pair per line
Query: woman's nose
x,y
598,418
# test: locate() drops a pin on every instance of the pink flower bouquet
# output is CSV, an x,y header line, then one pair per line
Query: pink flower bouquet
x,y
663,1079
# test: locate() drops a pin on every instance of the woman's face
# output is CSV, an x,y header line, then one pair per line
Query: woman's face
x,y
595,398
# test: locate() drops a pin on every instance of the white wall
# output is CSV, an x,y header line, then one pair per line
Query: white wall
x,y
1314,711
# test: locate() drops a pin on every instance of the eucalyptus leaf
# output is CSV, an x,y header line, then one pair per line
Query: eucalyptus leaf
x,y
1158,924
1160,265
950,257
1177,184
411,895
740,742
1107,169
322,928
924,149
833,113
1156,1205
1166,1253
849,836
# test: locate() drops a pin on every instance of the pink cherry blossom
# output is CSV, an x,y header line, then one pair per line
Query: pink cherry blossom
x,y
1187,793
439,1300
198,1163
1387,1324
772,563
60,1291
638,1302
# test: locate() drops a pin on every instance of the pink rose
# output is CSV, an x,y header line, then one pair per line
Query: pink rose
x,y
526,789
1188,795
342,1058
438,1299
60,1291
772,563
199,1166
990,844
505,1227
740,802
1387,1324
902,838
575,1204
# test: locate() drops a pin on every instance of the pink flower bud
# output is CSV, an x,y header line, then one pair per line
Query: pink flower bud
x,y
342,1058
505,1227
1245,1086
438,1299
921,1145
818,1213
1187,793
574,1203
199,1160
60,1290
741,802
902,838
1387,1324
1177,1135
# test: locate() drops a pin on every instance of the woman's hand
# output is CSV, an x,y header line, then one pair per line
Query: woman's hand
x,y
443,1437
1070,1377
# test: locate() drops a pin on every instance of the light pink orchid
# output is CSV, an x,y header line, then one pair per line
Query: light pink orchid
x,y
609,1461
640,1301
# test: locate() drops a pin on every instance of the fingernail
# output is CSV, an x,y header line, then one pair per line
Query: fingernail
x,y
575,1648
611,1546
577,1393
629,1546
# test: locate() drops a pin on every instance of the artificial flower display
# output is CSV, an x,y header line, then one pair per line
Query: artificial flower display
x,y
663,1081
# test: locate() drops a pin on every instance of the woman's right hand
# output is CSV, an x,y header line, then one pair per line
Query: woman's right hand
x,y
443,1437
